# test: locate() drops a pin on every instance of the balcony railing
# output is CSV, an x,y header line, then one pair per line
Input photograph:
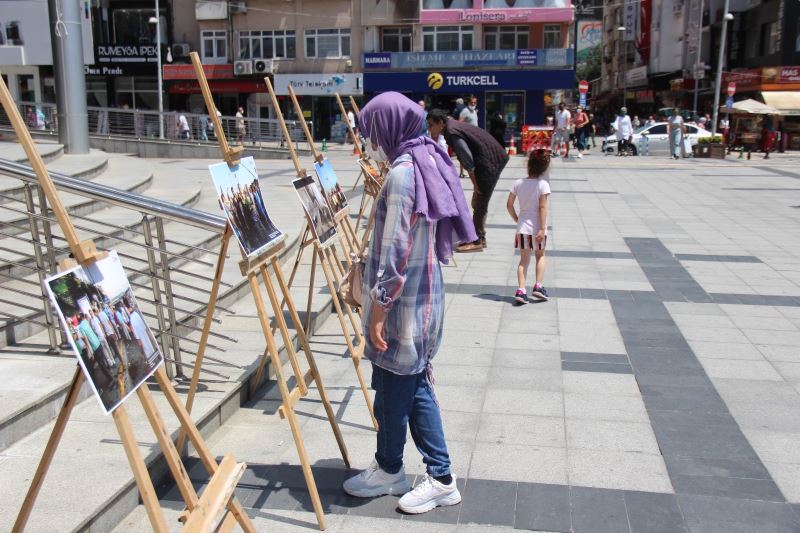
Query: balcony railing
x,y
535,58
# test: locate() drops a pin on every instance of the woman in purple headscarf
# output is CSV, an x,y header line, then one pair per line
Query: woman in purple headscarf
x,y
420,216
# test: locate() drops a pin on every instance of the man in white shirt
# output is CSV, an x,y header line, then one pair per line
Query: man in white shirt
x,y
470,113
623,129
561,135
183,127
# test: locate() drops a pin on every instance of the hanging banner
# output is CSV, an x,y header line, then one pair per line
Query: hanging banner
x,y
629,20
590,36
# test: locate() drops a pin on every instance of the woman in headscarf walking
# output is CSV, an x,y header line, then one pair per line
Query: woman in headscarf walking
x,y
421,215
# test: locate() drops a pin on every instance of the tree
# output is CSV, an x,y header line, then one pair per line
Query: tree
x,y
590,69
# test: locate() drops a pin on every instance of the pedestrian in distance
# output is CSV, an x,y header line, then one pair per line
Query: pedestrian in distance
x,y
496,126
623,129
677,129
591,130
240,127
420,214
424,130
482,157
203,129
581,122
459,108
532,193
182,126
561,135
470,113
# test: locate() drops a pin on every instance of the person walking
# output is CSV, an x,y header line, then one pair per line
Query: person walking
x,y
240,128
459,108
623,129
532,194
482,157
581,122
676,131
591,129
561,135
203,129
419,215
496,126
184,132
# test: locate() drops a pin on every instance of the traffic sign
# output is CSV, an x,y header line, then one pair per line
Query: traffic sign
x,y
729,104
582,100
583,87
731,88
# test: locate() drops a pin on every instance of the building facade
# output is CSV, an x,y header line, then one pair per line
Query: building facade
x,y
514,56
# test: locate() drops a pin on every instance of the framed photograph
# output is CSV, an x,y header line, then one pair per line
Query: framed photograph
x,y
372,172
330,186
321,216
239,195
106,329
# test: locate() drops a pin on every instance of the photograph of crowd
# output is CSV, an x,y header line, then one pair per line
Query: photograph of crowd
x,y
106,329
330,185
239,196
316,208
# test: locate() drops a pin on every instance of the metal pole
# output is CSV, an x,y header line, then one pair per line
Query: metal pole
x,y
67,46
160,88
718,84
625,75
698,57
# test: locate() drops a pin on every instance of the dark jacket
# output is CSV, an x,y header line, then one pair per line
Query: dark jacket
x,y
489,156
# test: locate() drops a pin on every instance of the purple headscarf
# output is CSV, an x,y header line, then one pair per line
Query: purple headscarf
x,y
439,196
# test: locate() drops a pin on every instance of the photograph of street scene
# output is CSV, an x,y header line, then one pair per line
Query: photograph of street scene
x,y
316,207
239,195
330,185
105,328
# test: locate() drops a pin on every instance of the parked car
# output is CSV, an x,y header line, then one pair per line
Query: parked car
x,y
658,136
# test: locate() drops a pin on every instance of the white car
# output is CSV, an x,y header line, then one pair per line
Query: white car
x,y
658,138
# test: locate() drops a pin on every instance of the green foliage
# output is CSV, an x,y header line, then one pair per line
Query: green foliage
x,y
714,139
590,70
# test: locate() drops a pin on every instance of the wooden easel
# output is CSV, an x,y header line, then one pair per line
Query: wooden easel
x,y
372,185
252,268
328,259
218,499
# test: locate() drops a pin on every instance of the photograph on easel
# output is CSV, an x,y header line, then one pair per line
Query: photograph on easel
x,y
239,196
371,171
330,186
320,215
106,329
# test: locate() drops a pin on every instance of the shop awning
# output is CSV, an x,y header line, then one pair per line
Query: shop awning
x,y
787,102
751,107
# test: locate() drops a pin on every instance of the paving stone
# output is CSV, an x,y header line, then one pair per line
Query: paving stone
x,y
654,513
488,502
543,507
597,510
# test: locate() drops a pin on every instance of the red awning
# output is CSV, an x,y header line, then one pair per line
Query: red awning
x,y
218,86
186,72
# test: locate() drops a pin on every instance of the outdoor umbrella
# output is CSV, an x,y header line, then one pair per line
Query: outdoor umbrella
x,y
751,107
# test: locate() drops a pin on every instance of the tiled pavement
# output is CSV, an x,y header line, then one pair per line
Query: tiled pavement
x,y
658,390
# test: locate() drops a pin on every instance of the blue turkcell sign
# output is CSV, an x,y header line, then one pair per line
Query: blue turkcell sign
x,y
466,81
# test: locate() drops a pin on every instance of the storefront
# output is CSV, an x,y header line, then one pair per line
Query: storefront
x,y
317,96
228,91
123,76
519,95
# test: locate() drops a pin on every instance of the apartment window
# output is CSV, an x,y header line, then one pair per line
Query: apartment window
x,y
277,44
505,37
396,39
552,36
770,38
214,46
446,38
328,43
132,26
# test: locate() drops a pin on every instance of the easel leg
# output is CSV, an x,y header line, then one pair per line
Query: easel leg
x,y
208,460
139,469
312,364
287,339
287,405
310,290
356,325
49,451
201,349
329,276
364,389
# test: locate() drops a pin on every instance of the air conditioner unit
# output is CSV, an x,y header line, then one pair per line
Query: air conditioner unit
x,y
181,50
264,66
238,6
243,67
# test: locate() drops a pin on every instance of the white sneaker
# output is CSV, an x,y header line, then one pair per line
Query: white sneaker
x,y
374,482
428,495
580,155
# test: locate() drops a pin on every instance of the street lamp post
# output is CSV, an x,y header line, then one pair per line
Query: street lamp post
x,y
698,57
157,21
718,84
621,30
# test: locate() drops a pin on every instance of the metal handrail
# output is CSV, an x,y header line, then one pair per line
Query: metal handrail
x,y
119,198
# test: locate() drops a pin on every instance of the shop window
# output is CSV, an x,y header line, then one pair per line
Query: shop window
x,y
214,46
446,38
396,39
267,44
505,37
328,43
447,4
132,26
552,36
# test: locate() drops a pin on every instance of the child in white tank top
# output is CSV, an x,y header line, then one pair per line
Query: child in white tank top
x,y
532,193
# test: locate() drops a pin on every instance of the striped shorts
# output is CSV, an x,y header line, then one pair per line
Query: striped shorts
x,y
528,242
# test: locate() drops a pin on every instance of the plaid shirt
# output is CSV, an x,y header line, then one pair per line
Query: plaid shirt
x,y
403,277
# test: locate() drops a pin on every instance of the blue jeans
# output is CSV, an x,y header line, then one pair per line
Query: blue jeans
x,y
402,401
581,139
